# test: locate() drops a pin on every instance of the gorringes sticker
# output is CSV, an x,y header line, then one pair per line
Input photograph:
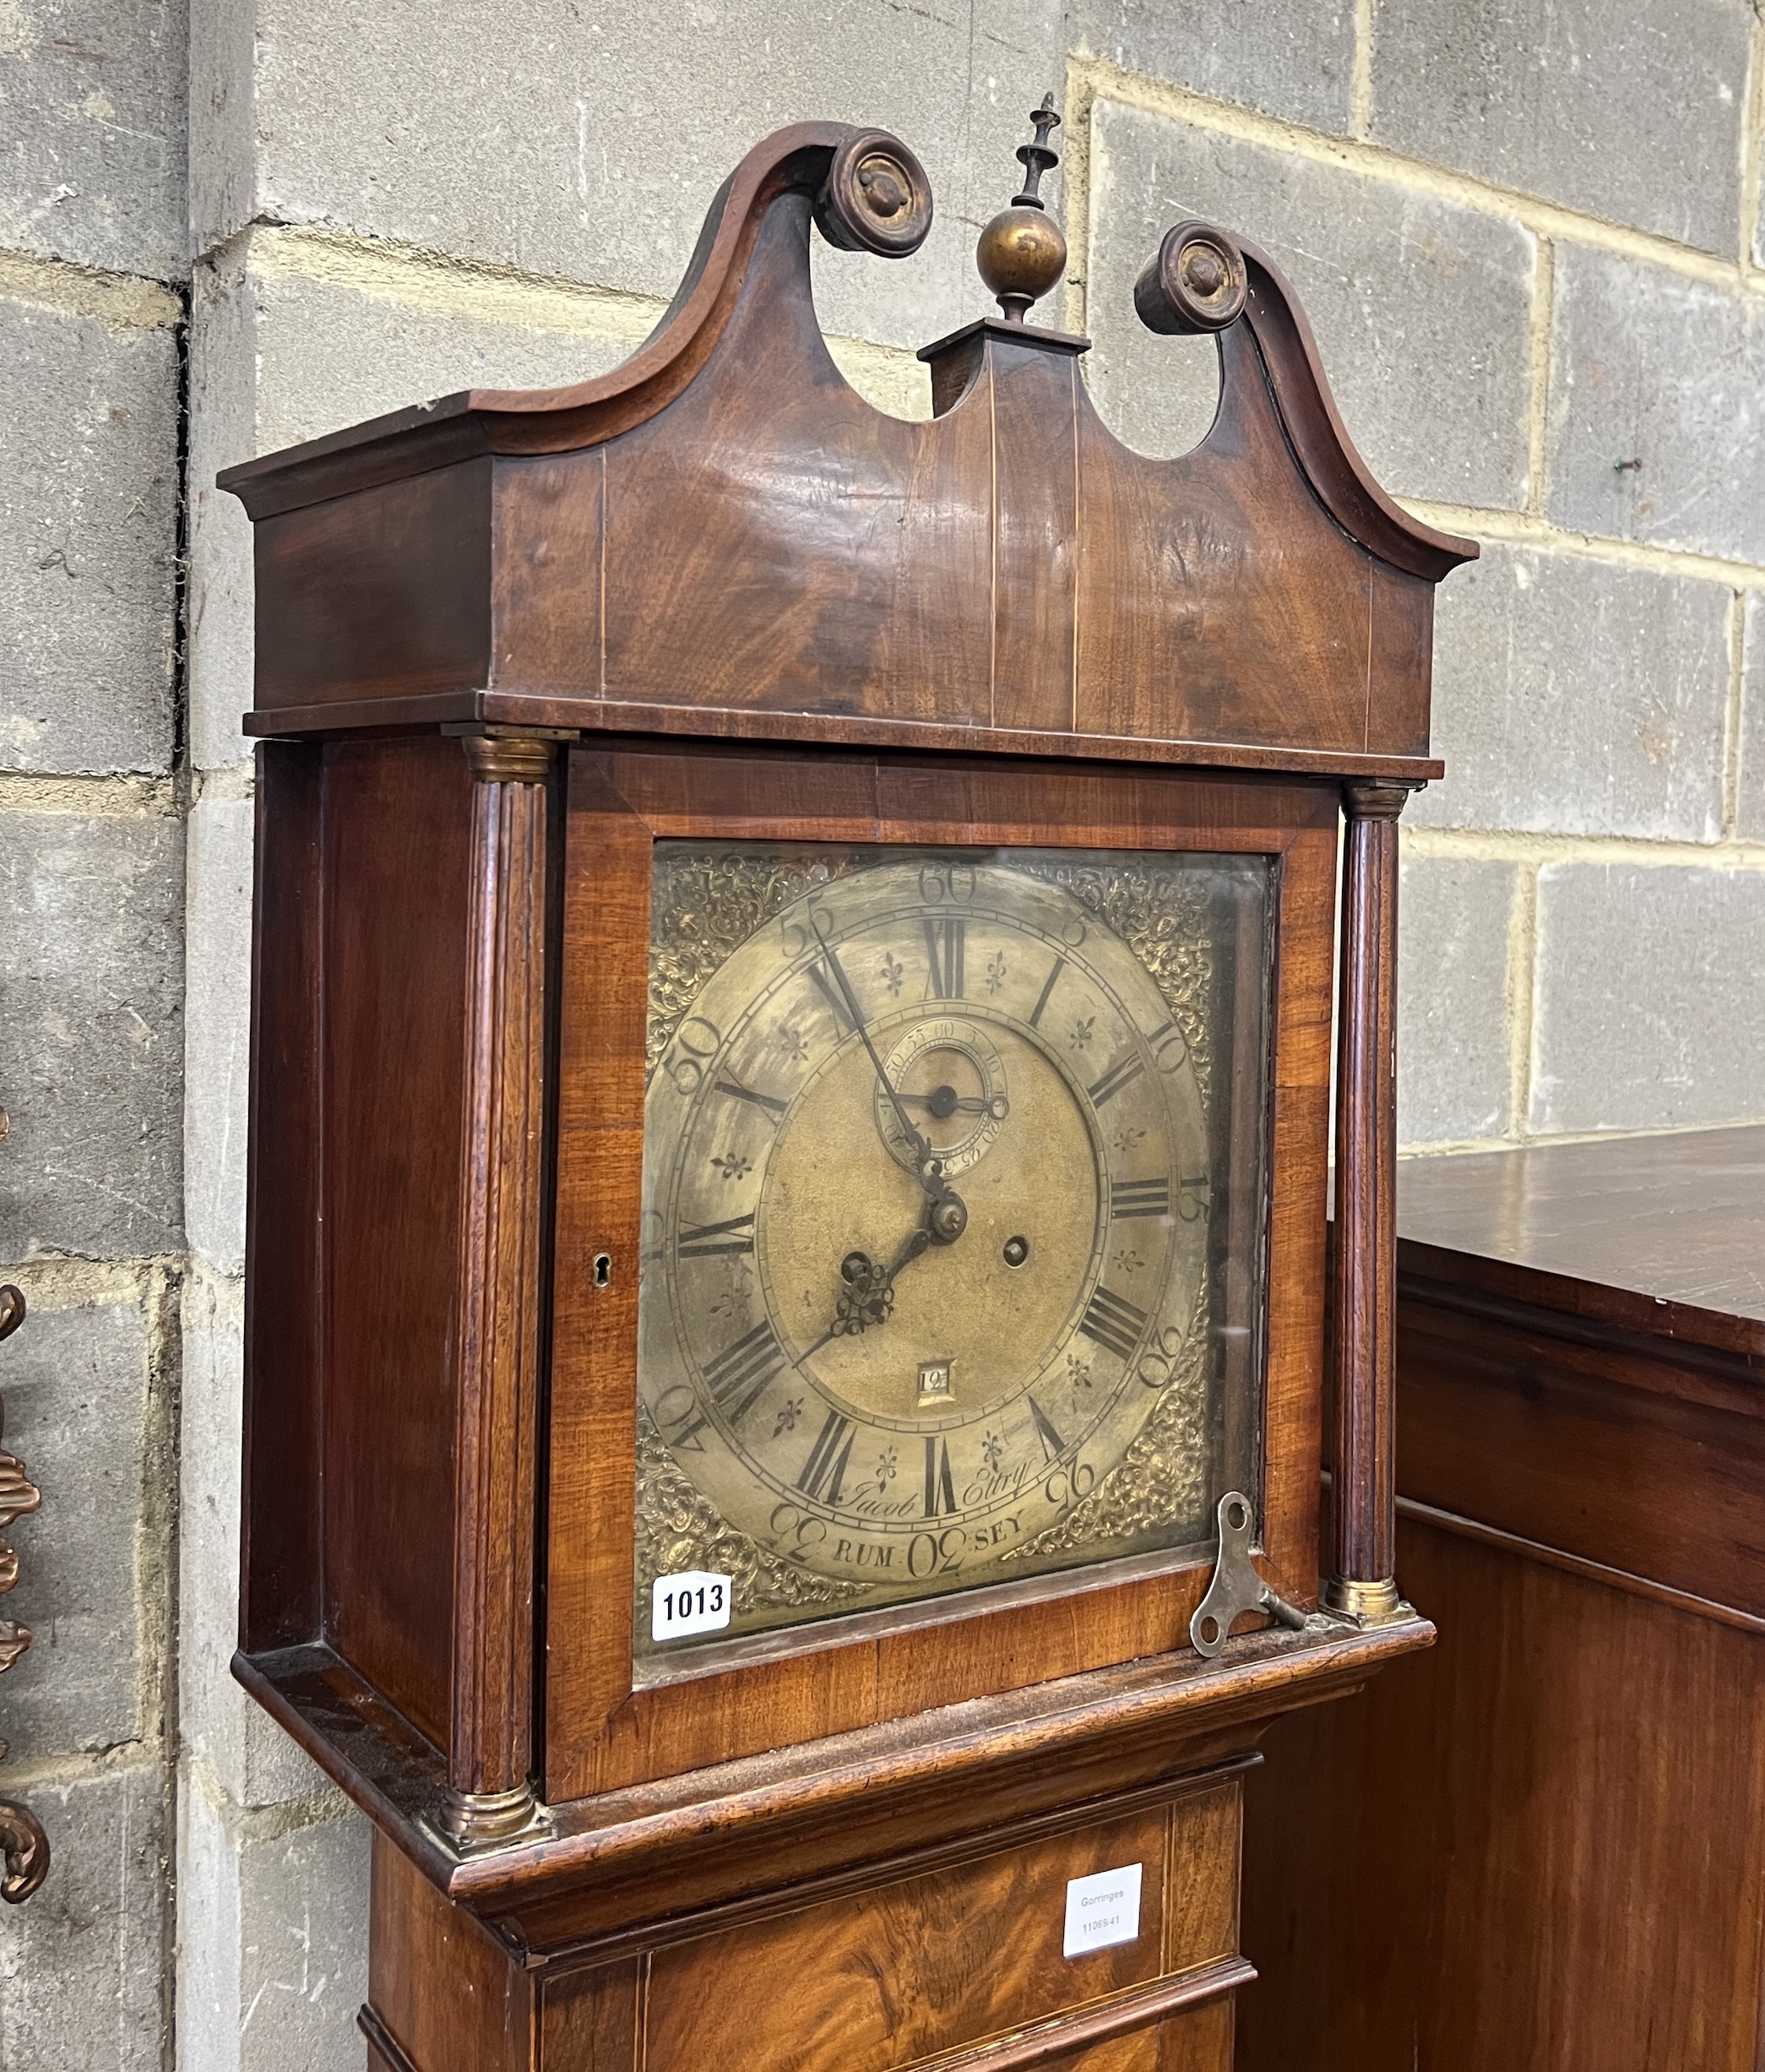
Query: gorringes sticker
x,y
1102,1909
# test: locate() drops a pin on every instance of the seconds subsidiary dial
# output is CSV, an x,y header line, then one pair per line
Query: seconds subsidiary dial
x,y
928,1194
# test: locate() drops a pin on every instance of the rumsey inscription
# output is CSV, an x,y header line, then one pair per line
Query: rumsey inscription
x,y
929,1278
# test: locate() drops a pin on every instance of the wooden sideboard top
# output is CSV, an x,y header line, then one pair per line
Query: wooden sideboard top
x,y
1580,1763
1664,1236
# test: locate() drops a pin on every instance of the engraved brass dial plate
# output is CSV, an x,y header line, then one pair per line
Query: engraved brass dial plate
x,y
936,1147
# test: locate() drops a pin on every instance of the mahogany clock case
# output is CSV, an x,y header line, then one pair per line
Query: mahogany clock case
x,y
364,1417
505,644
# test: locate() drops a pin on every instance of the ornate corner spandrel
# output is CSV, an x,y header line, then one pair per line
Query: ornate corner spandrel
x,y
23,1842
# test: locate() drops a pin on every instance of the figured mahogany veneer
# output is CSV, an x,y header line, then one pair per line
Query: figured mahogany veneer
x,y
950,1961
507,642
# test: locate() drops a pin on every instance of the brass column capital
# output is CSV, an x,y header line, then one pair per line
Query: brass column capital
x,y
1374,798
512,755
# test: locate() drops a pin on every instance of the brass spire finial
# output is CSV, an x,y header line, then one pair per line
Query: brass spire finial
x,y
1036,158
1022,253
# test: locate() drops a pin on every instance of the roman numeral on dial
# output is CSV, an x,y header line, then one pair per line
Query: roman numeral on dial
x,y
738,1376
1053,1445
710,1241
1169,1046
1113,1322
940,1484
1140,1198
1122,1073
770,1105
824,1470
1048,986
685,1437
944,941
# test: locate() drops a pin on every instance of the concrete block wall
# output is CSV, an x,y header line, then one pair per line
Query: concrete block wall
x,y
1528,235
91,1032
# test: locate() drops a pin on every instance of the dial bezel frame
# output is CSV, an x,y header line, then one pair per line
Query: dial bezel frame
x,y
606,1726
720,1490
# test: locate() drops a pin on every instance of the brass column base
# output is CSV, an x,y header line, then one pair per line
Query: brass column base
x,y
480,1819
1370,1603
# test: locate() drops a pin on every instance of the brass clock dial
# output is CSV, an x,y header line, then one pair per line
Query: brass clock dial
x,y
929,1182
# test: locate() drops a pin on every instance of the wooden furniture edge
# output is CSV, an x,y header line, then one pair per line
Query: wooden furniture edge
x,y
1152,1724
971,1847
1045,2041
382,2040
1142,1711
371,1757
1625,1580
1562,1303
1056,2036
1660,1365
424,436
793,729
1327,457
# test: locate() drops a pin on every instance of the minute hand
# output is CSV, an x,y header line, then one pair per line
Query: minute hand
x,y
921,1150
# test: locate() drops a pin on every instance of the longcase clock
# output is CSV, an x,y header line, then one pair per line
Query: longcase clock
x,y
787,1313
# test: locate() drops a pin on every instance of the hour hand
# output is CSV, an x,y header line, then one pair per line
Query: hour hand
x,y
870,1295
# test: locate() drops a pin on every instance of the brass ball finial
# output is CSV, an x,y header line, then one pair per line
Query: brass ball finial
x,y
1022,253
